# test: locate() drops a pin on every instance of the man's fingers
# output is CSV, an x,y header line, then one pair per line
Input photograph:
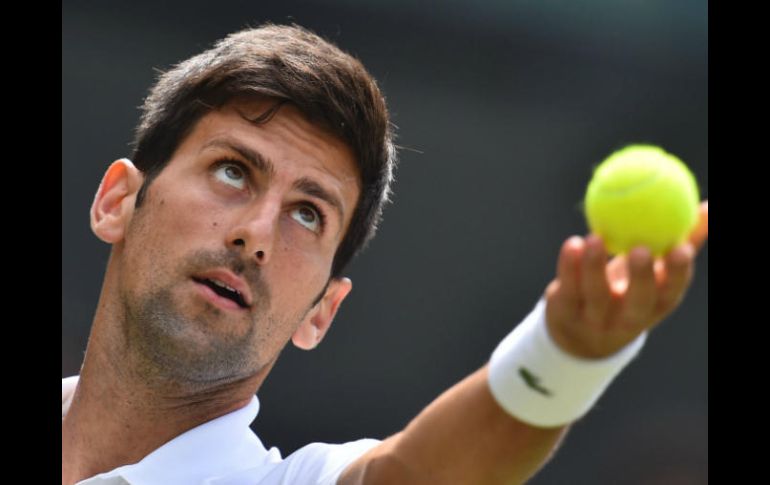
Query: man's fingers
x,y
568,268
641,296
679,272
586,283
593,280
617,273
563,293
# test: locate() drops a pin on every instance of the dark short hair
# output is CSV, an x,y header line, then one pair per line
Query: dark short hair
x,y
291,64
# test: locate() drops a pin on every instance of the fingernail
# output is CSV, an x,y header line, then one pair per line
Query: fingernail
x,y
574,242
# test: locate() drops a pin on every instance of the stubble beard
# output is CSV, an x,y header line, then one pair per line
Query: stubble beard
x,y
171,346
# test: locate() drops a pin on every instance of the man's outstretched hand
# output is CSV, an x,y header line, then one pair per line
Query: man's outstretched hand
x,y
595,307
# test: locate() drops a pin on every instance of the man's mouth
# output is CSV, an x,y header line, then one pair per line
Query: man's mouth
x,y
223,290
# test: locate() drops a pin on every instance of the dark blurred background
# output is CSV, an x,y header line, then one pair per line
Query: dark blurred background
x,y
503,108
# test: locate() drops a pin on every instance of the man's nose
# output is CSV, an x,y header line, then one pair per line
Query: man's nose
x,y
256,230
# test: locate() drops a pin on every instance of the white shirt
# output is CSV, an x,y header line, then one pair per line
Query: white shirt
x,y
224,451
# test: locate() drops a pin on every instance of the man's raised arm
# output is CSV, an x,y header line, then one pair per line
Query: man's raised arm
x,y
482,430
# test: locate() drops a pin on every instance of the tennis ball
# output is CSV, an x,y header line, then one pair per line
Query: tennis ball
x,y
642,196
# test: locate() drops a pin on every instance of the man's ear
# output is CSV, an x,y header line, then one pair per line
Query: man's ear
x,y
114,202
315,325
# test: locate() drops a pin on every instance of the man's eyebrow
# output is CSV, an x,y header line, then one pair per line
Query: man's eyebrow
x,y
312,188
257,160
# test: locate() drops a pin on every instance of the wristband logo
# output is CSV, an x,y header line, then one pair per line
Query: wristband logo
x,y
533,381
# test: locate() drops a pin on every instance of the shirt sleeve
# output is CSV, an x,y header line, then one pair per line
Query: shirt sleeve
x,y
318,463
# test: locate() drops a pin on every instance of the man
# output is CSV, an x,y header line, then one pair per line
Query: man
x,y
261,167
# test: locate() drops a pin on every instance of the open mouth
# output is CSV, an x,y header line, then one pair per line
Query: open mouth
x,y
223,290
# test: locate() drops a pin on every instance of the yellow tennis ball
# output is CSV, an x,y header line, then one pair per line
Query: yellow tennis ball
x,y
642,196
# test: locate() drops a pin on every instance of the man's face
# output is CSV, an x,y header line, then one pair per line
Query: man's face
x,y
256,208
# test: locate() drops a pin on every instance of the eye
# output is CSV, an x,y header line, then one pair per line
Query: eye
x,y
309,217
231,174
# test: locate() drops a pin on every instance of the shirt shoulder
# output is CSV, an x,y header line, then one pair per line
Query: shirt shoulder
x,y
313,464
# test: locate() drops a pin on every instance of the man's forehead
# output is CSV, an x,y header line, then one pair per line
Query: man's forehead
x,y
336,157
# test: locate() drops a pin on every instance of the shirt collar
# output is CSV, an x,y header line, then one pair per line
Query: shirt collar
x,y
215,448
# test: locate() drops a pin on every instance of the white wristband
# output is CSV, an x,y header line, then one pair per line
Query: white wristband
x,y
540,384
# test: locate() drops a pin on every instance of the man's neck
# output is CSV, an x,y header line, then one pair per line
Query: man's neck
x,y
116,419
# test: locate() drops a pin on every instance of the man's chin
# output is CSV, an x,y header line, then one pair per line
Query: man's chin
x,y
210,346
